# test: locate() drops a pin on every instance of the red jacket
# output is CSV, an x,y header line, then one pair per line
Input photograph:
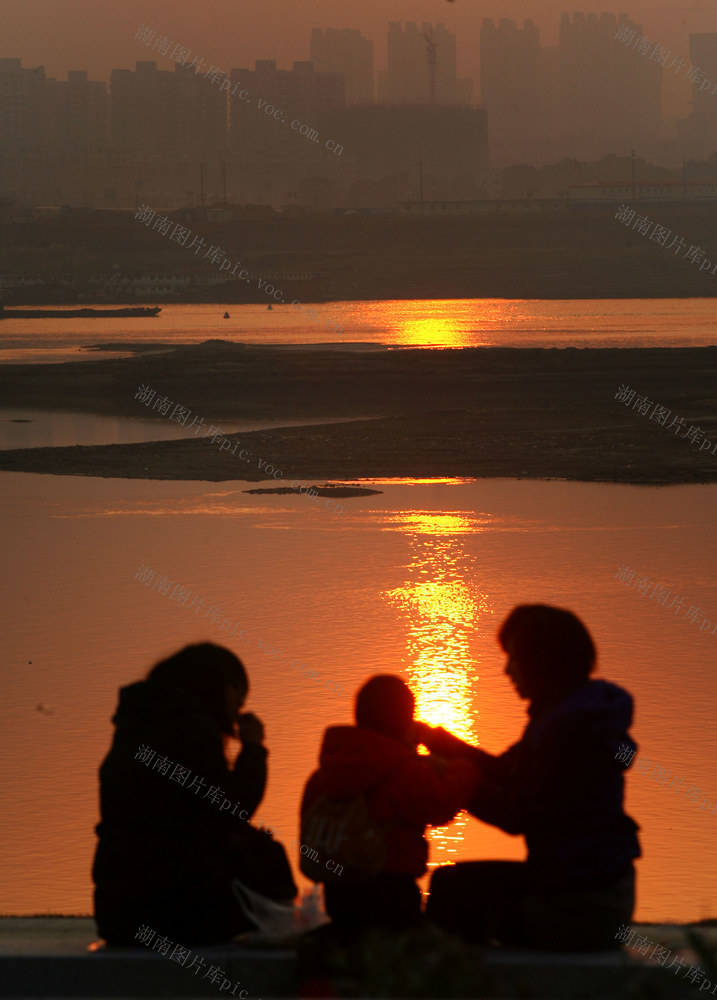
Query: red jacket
x,y
401,788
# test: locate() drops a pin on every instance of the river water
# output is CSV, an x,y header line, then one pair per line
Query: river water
x,y
429,323
414,580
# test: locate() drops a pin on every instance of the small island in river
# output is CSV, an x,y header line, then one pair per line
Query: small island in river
x,y
323,491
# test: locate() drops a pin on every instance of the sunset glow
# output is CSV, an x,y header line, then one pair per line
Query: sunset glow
x,y
441,613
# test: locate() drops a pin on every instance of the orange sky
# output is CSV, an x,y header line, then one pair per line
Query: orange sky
x,y
98,35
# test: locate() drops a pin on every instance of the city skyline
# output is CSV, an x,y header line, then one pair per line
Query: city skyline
x,y
599,91
513,62
676,94
59,37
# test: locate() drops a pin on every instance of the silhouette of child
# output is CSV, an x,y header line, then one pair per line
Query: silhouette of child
x,y
403,792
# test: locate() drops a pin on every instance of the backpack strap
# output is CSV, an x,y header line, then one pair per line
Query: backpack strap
x,y
373,842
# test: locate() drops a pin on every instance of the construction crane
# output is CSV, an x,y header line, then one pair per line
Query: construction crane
x,y
431,46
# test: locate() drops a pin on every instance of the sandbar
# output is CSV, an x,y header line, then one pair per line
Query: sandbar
x,y
468,413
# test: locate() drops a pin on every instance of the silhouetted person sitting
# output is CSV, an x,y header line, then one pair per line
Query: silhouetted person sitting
x,y
560,787
174,828
367,807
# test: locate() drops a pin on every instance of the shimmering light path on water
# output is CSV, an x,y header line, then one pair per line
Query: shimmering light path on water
x,y
401,323
441,612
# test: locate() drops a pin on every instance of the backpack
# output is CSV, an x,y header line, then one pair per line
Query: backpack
x,y
345,834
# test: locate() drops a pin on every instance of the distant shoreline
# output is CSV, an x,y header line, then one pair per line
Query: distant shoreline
x,y
493,412
583,253
515,294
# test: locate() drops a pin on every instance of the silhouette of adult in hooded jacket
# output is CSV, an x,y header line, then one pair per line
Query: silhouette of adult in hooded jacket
x,y
561,787
174,830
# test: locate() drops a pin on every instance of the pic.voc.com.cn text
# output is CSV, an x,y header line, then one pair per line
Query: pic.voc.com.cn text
x,y
215,74
179,774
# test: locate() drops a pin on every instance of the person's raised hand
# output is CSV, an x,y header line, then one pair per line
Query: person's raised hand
x,y
420,732
251,728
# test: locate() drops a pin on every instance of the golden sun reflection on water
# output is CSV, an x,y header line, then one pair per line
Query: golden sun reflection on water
x,y
441,608
417,332
438,323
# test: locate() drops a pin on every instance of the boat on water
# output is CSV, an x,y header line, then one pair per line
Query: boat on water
x,y
86,313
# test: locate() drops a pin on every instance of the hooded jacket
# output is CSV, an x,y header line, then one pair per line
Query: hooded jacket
x,y
163,832
401,789
561,787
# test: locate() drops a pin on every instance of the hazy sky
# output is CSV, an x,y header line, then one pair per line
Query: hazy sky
x,y
98,35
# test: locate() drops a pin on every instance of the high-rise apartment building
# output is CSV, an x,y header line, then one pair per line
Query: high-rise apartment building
x,y
590,96
201,111
155,109
142,112
510,86
76,110
696,133
610,91
703,56
22,114
299,94
421,65
346,51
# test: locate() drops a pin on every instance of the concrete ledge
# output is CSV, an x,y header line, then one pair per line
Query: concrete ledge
x,y
541,975
52,958
142,974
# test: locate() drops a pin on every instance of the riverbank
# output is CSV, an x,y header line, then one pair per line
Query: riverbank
x,y
477,412
581,252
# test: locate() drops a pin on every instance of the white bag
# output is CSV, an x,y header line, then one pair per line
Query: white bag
x,y
278,920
